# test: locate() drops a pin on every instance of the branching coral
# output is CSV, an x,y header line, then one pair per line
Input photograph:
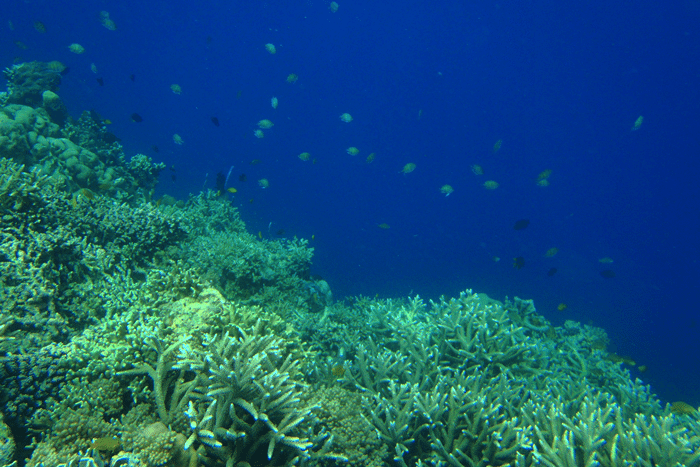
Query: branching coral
x,y
161,383
251,404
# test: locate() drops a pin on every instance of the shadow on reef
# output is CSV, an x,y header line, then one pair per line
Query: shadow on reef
x,y
165,334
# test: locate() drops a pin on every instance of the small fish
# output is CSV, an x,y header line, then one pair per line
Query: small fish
x,y
55,66
260,235
76,48
105,444
215,121
238,94
638,123
408,168
544,175
93,68
370,158
642,368
562,306
255,162
551,272
521,224
132,77
519,262
107,121
607,273
100,81
87,193
155,148
39,26
21,45
551,252
313,237
250,201
605,260
497,146
383,225
682,408
136,118
242,178
231,190
280,232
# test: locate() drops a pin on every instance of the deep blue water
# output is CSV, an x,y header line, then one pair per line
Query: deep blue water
x,y
437,84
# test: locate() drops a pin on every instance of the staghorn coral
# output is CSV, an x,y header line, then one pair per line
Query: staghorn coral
x,y
167,411
594,432
250,407
473,335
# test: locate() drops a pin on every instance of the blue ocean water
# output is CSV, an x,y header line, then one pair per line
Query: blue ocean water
x,y
436,84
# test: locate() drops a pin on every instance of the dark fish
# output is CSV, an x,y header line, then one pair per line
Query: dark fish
x,y
155,148
551,272
174,177
255,162
518,262
110,138
215,121
209,39
220,182
607,273
172,168
238,94
280,232
100,81
242,178
521,224
95,116
136,118
39,26
132,77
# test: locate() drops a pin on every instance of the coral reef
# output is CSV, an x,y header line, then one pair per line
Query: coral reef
x,y
165,334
